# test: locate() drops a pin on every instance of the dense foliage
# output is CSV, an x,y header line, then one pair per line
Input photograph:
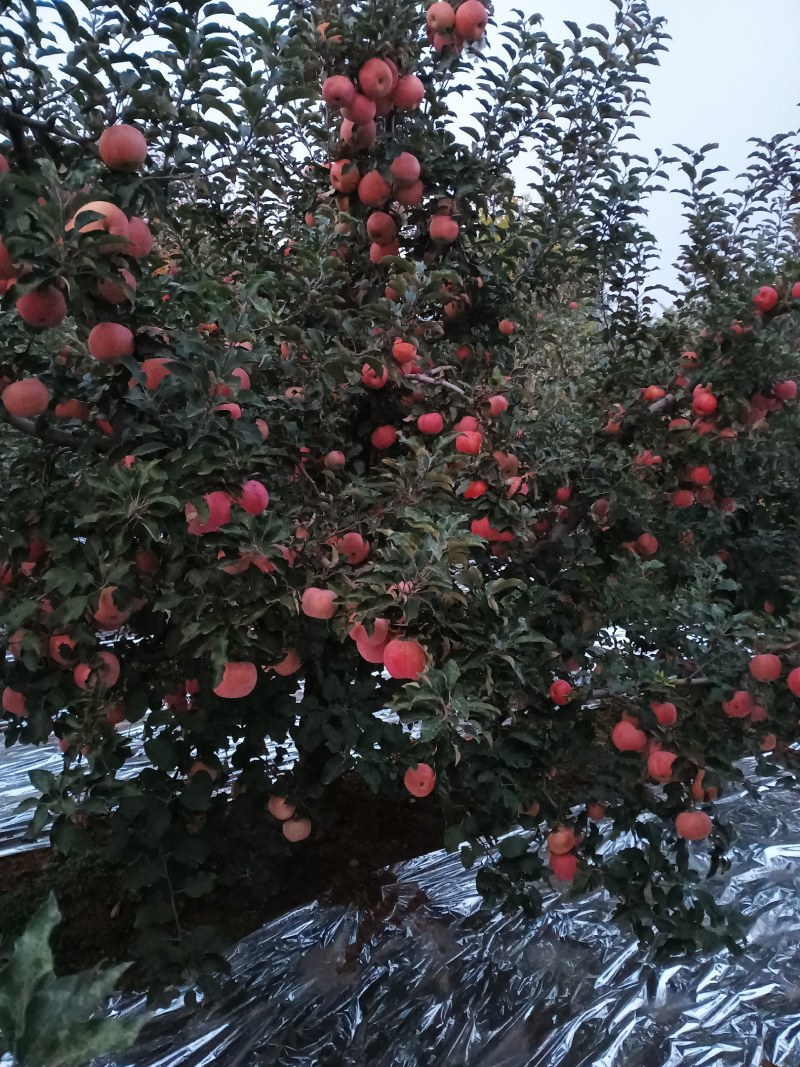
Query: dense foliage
x,y
318,418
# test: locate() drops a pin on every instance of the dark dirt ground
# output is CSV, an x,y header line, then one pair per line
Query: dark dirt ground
x,y
341,863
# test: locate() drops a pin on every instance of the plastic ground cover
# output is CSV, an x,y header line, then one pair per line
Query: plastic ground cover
x,y
445,982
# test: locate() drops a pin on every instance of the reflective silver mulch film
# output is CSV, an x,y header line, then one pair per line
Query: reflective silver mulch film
x,y
15,785
446,983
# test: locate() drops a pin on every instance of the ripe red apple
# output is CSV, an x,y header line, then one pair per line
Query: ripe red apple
x,y
219,514
766,667
155,371
483,528
373,189
360,110
372,379
699,793
700,475
653,392
666,713
443,229
238,680
563,866
474,490
704,403
561,841
765,299
334,460
295,829
14,703
359,137
112,292
471,20
353,547
8,270
410,195
60,647
646,545
107,615
440,17
506,327
338,91
659,765
26,398
375,78
683,498
112,221
497,405
431,423
318,603
42,308
469,442
378,252
255,498
198,767
140,240
785,390
628,738
409,93
404,659
693,825
405,169
381,227
739,705
122,148
104,676
561,693
404,351
420,780
290,664
345,176
793,681
110,341
383,437
280,808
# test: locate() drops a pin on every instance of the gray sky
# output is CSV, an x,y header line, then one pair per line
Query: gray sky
x,y
732,72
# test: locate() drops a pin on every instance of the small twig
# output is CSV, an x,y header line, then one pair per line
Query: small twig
x,y
14,118
600,693
52,434
426,378
665,403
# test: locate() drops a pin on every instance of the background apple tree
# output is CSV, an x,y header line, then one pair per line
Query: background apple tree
x,y
312,411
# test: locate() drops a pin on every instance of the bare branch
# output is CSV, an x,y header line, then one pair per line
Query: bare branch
x,y
10,118
53,435
426,378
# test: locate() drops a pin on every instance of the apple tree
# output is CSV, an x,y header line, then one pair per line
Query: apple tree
x,y
344,434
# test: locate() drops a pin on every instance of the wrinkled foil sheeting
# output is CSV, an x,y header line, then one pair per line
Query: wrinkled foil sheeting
x,y
17,762
15,786
448,983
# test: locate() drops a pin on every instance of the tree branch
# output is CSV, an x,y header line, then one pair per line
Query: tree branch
x,y
666,403
426,378
51,434
10,118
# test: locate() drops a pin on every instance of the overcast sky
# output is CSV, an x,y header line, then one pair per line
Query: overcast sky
x,y
732,72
